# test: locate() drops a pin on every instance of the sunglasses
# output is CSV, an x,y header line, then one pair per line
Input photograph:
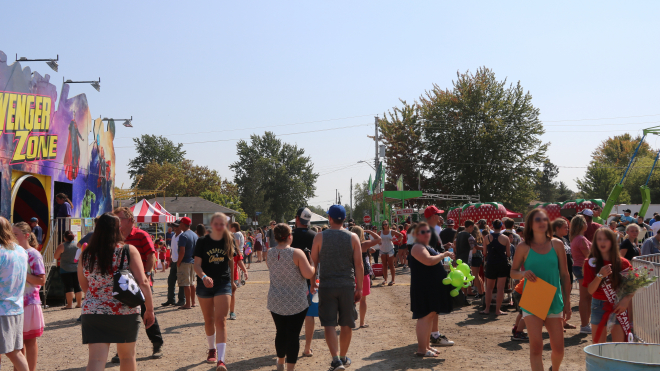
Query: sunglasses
x,y
538,219
427,231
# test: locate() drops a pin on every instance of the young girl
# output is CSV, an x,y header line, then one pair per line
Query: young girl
x,y
162,250
387,250
604,263
214,254
249,241
33,318
544,257
258,244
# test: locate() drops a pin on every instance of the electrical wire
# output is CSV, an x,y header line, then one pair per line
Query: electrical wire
x,y
604,118
277,135
263,127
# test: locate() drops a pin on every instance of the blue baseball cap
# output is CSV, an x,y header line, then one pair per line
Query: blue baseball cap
x,y
34,220
337,212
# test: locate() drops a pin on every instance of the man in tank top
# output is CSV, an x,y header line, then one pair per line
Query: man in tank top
x,y
338,256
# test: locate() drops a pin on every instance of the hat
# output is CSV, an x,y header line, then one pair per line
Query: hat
x,y
337,212
176,223
304,215
627,211
34,220
450,221
432,210
185,220
587,212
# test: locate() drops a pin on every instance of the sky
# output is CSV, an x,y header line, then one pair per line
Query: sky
x,y
215,72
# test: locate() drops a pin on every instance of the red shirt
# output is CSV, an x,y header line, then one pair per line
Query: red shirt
x,y
142,241
591,230
237,258
590,273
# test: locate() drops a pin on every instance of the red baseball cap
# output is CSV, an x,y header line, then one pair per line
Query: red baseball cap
x,y
186,220
432,210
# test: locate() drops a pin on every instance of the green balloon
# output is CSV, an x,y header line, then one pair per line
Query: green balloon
x,y
454,293
464,268
446,281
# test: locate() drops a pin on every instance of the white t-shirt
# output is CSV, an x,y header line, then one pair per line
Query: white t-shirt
x,y
175,247
240,241
387,244
655,227
258,237
410,239
438,229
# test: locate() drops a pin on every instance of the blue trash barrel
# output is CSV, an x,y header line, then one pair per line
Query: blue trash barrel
x,y
623,356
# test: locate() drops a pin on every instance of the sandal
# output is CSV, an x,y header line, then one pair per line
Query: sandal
x,y
427,354
484,312
308,354
391,283
364,326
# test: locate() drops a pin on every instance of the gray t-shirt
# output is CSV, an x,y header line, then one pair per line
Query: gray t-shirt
x,y
68,256
337,268
272,242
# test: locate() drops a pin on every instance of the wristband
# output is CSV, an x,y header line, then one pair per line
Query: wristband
x,y
204,276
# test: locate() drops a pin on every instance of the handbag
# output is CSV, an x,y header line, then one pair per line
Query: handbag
x,y
124,288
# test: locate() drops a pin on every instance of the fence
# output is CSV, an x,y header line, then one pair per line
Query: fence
x,y
57,229
646,303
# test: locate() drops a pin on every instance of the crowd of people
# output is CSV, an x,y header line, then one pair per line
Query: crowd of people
x,y
321,272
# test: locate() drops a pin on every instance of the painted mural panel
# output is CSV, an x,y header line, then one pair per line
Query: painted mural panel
x,y
40,134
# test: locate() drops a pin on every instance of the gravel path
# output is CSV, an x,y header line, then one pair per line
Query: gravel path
x,y
482,343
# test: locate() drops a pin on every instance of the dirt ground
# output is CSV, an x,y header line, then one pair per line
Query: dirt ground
x,y
388,344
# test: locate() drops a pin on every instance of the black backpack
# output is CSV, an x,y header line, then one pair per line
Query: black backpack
x,y
125,289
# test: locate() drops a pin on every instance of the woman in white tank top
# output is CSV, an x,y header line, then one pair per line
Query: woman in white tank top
x,y
387,251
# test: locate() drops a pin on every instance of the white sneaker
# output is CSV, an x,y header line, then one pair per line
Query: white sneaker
x,y
585,330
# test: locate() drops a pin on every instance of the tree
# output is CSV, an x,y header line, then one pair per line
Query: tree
x,y
318,210
564,193
185,179
546,185
362,201
480,137
273,176
608,163
152,148
228,197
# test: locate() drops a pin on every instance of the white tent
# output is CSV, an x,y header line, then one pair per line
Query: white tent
x,y
316,219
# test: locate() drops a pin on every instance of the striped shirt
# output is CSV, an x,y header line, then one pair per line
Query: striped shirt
x,y
142,242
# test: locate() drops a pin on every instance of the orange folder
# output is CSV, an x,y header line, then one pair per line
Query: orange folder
x,y
537,297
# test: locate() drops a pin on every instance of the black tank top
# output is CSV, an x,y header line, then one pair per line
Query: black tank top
x,y
496,251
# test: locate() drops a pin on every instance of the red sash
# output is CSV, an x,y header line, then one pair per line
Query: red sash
x,y
609,308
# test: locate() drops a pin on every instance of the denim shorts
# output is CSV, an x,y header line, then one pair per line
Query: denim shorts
x,y
577,272
218,289
597,312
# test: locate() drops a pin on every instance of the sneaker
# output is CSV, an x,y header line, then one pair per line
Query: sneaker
x,y
520,336
232,316
212,356
115,359
346,361
585,330
441,341
336,365
180,303
513,331
221,366
158,352
167,303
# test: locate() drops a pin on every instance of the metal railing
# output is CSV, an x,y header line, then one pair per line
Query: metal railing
x,y
646,303
57,229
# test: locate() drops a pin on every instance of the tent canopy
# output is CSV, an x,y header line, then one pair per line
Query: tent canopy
x,y
316,219
160,208
513,214
144,212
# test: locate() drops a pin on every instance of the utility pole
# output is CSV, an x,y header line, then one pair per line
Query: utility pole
x,y
376,142
351,200
336,196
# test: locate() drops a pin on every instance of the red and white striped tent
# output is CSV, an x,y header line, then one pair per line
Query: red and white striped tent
x,y
144,212
160,208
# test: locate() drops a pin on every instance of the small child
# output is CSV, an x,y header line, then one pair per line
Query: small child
x,y
161,249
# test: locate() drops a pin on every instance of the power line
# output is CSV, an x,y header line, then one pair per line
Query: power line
x,y
604,118
264,127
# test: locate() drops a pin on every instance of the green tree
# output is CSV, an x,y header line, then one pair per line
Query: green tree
x,y
564,193
185,179
546,186
228,197
361,201
152,148
274,176
480,137
608,163
318,210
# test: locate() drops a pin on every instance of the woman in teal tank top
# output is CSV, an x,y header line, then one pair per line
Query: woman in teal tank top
x,y
543,257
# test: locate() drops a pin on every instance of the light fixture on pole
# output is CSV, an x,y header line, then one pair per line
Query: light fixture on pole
x,y
52,63
127,122
365,162
95,84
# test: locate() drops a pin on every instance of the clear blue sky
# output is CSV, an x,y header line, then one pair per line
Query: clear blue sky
x,y
223,68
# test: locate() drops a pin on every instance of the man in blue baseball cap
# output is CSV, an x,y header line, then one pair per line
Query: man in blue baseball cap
x,y
339,254
36,229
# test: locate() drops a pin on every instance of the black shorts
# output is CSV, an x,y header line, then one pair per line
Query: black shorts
x,y
477,261
403,248
217,289
70,281
495,271
337,306
516,300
